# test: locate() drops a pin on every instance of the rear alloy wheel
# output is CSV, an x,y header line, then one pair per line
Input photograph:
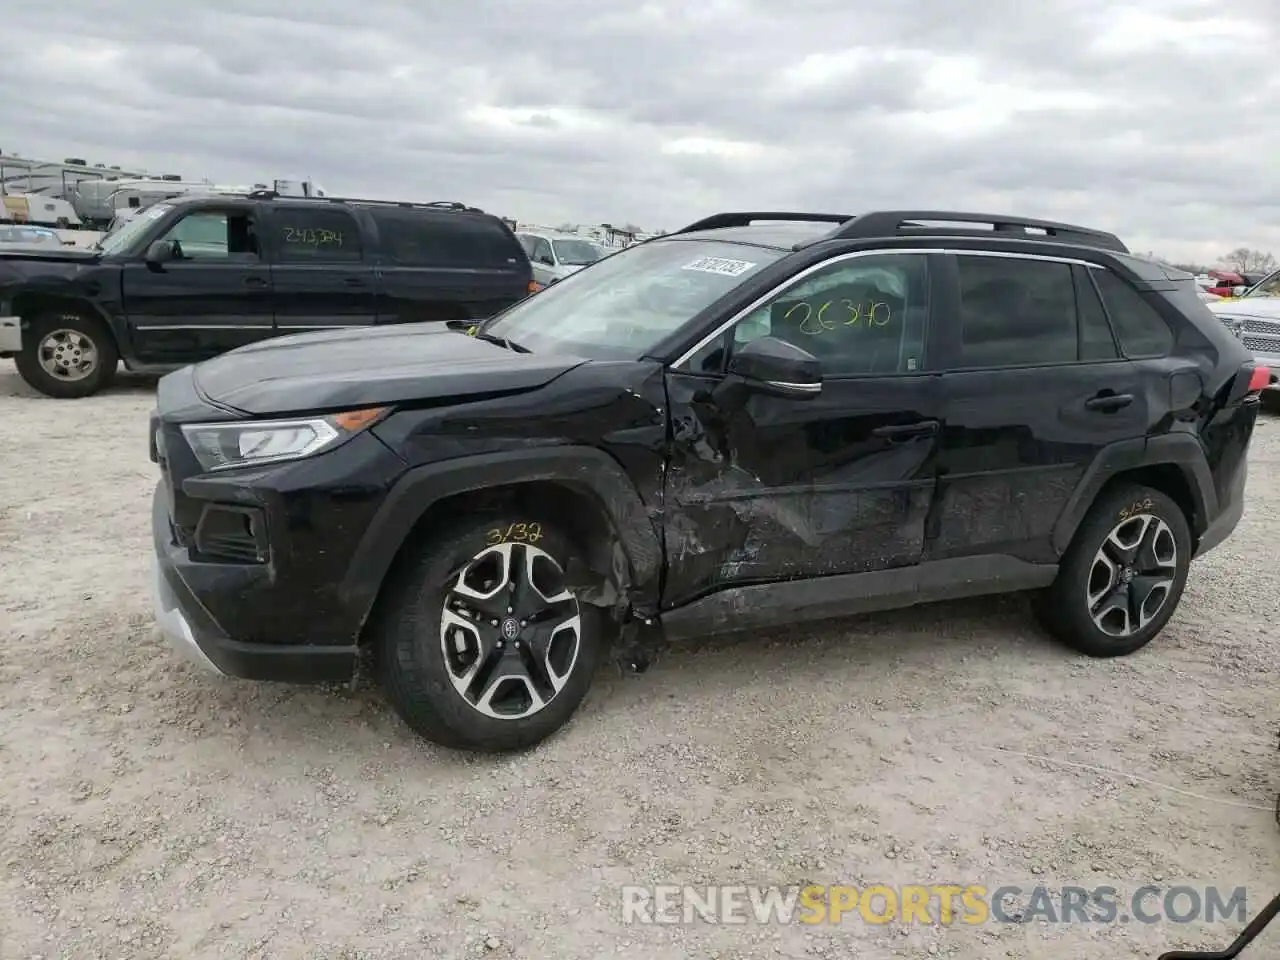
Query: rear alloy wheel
x,y
481,643
67,355
1122,577
1132,575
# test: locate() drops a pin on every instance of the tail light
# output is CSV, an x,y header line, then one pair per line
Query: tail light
x,y
1260,379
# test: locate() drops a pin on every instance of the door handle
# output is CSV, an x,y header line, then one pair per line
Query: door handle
x,y
254,282
353,281
903,431
1109,402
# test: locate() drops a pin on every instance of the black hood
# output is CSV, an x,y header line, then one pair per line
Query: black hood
x,y
369,366
49,254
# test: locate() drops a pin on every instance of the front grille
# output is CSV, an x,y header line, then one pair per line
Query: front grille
x,y
1270,327
1262,344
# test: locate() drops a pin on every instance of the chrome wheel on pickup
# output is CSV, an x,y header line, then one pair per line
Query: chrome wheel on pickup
x,y
67,353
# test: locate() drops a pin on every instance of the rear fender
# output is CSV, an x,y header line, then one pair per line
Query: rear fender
x,y
1180,450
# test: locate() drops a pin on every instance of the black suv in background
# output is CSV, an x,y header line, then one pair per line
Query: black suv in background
x,y
761,419
191,278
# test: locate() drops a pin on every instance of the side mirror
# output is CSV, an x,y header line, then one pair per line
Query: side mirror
x,y
162,251
777,368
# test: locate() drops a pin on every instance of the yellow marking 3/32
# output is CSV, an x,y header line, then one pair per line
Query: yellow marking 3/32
x,y
527,532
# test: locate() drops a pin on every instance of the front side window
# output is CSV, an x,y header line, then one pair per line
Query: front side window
x,y
862,316
1016,312
621,306
214,235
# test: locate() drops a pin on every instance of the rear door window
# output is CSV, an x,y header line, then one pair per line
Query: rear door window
x,y
316,235
421,238
1016,312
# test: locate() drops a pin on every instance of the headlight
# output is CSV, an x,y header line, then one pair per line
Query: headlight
x,y
246,443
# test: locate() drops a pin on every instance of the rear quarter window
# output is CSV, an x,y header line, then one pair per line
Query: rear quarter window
x,y
413,238
1141,330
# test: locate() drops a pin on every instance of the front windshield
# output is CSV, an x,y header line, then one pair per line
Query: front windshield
x,y
622,305
123,238
1269,287
576,253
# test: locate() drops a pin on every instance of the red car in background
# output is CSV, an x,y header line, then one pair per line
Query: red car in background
x,y
1228,284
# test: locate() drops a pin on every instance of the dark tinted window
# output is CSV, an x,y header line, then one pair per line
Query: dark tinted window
x,y
1016,312
1096,340
1141,330
316,235
422,238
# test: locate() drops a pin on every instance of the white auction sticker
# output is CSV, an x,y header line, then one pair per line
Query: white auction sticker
x,y
726,268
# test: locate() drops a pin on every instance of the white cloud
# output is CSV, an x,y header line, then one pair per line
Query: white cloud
x,y
1152,119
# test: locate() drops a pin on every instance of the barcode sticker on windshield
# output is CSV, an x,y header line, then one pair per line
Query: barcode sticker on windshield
x,y
726,268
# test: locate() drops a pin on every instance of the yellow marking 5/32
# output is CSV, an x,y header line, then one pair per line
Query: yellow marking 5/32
x,y
1136,508
527,532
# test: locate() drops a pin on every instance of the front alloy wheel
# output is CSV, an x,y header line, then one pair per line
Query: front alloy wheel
x,y
1132,575
480,638
510,631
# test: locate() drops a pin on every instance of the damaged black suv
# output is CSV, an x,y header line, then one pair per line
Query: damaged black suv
x,y
763,418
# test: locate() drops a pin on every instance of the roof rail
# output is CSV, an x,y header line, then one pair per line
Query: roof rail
x,y
907,223
434,204
720,221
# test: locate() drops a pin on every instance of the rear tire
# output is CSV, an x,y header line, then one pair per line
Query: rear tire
x,y
470,650
1123,575
67,354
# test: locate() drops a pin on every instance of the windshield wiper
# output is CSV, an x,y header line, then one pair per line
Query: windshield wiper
x,y
502,342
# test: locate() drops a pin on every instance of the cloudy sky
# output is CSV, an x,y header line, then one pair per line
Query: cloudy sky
x,y
1159,119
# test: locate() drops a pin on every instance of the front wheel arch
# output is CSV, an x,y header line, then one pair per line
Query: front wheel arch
x,y
586,490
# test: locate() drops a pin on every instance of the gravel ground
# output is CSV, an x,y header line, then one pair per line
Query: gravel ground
x,y
150,810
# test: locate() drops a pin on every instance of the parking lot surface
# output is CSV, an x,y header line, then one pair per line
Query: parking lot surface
x,y
150,810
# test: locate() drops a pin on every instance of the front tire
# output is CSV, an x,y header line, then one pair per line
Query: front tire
x,y
480,645
67,354
1123,575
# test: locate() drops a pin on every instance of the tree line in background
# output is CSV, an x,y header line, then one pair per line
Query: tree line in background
x,y
1239,260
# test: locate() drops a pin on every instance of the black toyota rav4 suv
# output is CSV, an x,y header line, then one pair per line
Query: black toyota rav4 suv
x,y
762,419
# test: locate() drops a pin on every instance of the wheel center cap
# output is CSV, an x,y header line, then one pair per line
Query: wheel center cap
x,y
510,628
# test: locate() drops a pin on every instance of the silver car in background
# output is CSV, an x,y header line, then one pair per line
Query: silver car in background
x,y
1255,319
555,256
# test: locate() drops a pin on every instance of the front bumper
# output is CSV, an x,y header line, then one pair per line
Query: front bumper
x,y
10,335
194,632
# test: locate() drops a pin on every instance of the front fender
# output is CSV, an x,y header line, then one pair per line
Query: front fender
x,y
586,469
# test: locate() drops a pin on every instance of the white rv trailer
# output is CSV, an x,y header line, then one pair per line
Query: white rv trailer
x,y
50,178
102,203
34,208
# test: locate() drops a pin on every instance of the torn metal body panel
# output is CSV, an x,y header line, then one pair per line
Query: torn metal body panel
x,y
768,489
